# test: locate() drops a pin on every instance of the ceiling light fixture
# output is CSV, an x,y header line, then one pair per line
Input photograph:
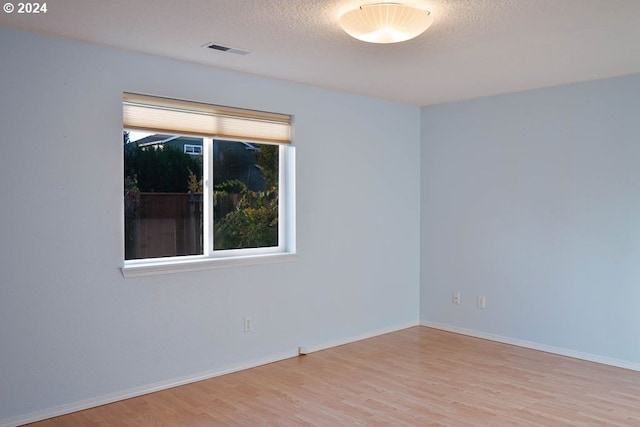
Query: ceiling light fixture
x,y
385,22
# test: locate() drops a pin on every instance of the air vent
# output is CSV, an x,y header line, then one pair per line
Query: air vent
x,y
218,47
226,49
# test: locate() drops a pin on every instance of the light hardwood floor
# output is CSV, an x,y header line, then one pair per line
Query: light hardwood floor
x,y
418,377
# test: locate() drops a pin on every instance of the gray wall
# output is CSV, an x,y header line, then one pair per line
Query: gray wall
x,y
72,328
533,200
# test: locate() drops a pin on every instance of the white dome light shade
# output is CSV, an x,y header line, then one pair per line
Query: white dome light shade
x,y
385,22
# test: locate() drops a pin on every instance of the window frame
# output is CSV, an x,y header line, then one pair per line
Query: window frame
x,y
208,189
213,259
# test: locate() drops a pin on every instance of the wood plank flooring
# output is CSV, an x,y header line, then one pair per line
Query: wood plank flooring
x,y
415,377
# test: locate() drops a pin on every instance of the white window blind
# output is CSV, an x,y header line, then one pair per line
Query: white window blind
x,y
168,115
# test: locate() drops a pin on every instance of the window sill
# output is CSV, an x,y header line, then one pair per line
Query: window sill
x,y
158,266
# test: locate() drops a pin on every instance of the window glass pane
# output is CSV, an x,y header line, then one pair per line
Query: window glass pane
x,y
162,196
245,195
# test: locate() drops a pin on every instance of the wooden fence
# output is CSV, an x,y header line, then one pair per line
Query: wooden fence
x,y
166,224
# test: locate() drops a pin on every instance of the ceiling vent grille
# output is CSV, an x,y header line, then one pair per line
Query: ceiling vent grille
x,y
226,49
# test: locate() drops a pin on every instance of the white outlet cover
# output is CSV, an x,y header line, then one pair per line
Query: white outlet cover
x,y
248,324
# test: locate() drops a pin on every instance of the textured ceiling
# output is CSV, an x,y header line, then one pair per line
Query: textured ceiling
x,y
474,48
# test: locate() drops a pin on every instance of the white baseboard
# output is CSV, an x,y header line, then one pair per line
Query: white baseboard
x,y
137,391
163,385
313,348
535,346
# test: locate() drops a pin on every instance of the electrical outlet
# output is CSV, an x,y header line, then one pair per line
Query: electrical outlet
x,y
248,324
482,303
456,298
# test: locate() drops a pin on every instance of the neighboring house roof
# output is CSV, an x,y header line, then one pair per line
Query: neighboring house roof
x,y
160,139
157,139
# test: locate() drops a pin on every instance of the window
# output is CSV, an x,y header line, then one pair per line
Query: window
x,y
194,150
204,185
